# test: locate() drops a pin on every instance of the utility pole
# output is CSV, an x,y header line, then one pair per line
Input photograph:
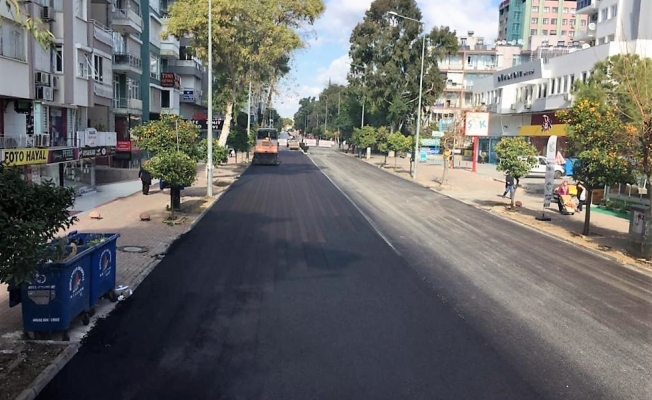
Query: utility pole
x,y
209,134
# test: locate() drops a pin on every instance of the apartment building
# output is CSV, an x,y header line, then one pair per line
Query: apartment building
x,y
556,20
520,98
55,103
475,60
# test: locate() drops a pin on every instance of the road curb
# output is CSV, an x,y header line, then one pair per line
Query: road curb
x,y
44,378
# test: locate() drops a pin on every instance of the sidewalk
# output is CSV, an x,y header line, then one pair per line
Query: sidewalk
x,y
120,213
106,193
483,189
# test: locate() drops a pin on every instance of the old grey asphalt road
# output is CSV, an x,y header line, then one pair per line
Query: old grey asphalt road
x,y
284,291
573,324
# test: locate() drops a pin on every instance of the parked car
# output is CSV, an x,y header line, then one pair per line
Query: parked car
x,y
539,170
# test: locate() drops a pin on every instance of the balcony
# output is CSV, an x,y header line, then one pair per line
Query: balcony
x,y
102,90
587,7
102,33
125,106
190,95
170,110
126,63
584,35
127,21
186,68
170,47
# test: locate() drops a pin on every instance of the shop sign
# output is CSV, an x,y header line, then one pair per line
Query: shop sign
x,y
170,80
123,146
188,95
24,156
92,152
502,77
62,155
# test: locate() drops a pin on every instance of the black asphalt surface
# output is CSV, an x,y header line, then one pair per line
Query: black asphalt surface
x,y
574,324
285,291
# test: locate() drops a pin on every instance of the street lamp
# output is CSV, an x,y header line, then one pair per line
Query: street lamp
x,y
209,133
423,56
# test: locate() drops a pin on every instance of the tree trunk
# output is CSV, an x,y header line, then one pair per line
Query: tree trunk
x,y
587,217
395,157
236,157
385,163
226,128
444,175
171,204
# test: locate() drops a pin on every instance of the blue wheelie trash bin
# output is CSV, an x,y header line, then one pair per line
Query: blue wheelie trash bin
x,y
103,247
57,294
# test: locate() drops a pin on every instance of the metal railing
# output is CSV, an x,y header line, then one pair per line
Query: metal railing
x,y
128,59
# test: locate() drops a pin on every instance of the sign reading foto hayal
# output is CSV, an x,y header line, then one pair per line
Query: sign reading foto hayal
x,y
16,157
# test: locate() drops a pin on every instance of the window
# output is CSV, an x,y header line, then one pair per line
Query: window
x,y
57,59
553,21
614,10
605,14
572,10
535,20
565,10
165,99
564,22
555,9
544,32
546,9
133,89
533,32
611,38
98,68
153,66
546,21
12,41
535,9
82,65
572,22
80,9
583,22
571,33
553,32
564,33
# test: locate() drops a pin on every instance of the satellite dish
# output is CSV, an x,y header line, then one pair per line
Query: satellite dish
x,y
503,42
520,41
586,46
512,42
592,26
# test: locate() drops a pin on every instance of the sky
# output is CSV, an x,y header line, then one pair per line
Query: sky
x,y
326,54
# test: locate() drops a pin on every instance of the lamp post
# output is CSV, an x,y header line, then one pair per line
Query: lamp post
x,y
423,56
209,133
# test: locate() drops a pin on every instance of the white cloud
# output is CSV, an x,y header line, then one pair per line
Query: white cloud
x,y
286,102
335,72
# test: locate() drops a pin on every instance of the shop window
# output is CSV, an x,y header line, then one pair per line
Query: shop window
x,y
165,99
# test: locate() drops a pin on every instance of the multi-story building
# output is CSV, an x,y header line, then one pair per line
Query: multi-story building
x,y
475,60
55,102
558,20
520,98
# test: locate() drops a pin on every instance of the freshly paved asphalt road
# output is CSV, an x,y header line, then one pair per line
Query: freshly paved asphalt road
x,y
285,291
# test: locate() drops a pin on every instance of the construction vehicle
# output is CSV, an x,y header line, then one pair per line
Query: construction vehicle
x,y
266,149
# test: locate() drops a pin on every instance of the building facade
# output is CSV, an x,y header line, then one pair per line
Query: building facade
x,y
557,20
55,109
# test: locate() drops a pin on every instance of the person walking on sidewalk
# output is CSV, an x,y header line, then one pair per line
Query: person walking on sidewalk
x,y
146,179
581,195
509,186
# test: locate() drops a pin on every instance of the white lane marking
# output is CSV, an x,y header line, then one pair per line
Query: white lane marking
x,y
369,220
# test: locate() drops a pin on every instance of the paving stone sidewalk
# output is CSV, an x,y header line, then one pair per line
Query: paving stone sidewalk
x,y
483,189
123,216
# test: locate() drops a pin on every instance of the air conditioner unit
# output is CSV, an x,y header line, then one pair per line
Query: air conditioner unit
x,y
47,14
513,107
44,93
42,140
42,78
55,82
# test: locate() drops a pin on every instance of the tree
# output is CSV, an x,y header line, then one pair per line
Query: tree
x,y
35,26
286,122
624,83
364,137
30,217
220,153
601,142
250,44
453,137
168,133
174,167
389,50
517,158
398,143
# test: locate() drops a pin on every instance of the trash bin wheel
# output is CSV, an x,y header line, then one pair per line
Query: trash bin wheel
x,y
65,337
86,319
113,296
91,311
28,335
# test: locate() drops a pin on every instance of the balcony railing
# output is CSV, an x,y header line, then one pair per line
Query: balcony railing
x,y
120,16
101,90
128,59
128,104
102,33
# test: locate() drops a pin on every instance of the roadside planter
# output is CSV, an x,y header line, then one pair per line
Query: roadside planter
x,y
63,290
